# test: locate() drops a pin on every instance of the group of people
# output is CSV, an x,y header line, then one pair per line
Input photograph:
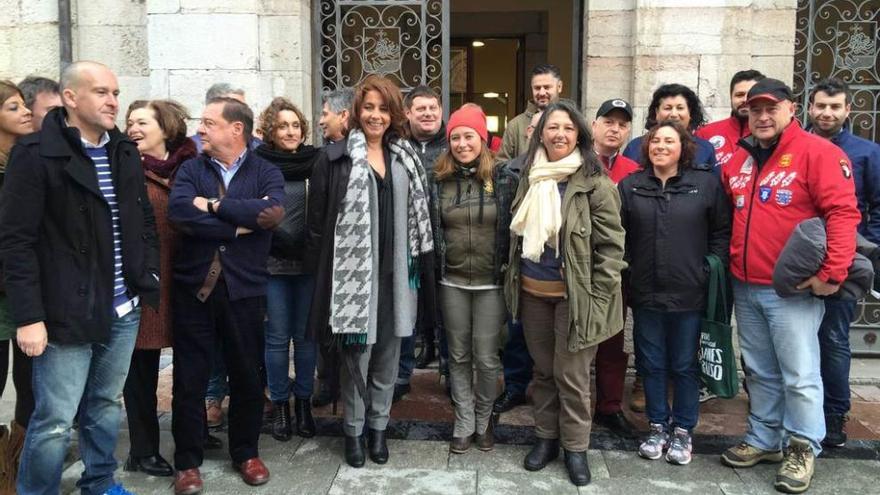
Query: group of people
x,y
233,243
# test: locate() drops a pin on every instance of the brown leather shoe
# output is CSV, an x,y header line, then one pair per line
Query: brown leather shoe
x,y
188,482
253,471
213,413
460,445
637,396
486,441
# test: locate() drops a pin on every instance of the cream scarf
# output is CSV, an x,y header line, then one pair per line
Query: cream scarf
x,y
539,216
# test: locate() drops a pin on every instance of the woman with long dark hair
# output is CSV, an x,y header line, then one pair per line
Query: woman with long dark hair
x,y
289,294
675,212
159,129
563,280
370,243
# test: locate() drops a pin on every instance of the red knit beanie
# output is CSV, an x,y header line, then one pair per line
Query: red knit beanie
x,y
470,116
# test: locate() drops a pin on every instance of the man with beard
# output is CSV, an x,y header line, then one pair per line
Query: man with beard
x,y
725,134
546,85
830,105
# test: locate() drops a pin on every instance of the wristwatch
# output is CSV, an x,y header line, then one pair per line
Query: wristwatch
x,y
211,203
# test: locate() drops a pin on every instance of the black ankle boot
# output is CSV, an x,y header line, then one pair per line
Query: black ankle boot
x,y
377,446
354,451
427,357
542,453
305,423
281,429
578,467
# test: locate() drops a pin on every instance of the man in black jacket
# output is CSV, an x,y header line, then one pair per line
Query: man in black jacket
x,y
225,202
81,254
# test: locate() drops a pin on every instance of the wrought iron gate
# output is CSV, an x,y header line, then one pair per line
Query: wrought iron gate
x,y
404,40
841,38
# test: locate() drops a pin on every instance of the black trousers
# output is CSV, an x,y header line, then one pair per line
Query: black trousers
x,y
328,367
22,373
197,326
140,402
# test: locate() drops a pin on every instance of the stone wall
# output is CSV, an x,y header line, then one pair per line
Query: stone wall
x,y
633,46
28,38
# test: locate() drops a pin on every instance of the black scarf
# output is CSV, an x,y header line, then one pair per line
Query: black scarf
x,y
295,166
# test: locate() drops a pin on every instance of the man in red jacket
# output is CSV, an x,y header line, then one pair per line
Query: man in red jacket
x,y
780,176
725,134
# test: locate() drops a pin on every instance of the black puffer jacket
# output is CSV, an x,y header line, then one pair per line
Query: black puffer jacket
x,y
430,150
669,230
289,238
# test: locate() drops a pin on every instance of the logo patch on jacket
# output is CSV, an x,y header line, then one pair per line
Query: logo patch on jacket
x,y
717,141
746,167
783,197
764,193
785,160
740,201
844,166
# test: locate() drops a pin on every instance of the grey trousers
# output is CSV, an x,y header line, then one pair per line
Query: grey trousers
x,y
474,321
378,364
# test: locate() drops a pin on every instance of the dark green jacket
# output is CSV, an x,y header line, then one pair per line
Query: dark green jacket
x,y
593,258
504,187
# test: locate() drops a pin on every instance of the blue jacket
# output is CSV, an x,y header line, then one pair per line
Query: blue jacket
x,y
865,158
705,153
243,258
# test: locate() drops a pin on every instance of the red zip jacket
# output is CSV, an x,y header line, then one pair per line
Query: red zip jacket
x,y
724,136
804,177
619,167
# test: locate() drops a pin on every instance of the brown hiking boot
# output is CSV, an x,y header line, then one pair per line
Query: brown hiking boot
x,y
637,396
745,455
796,472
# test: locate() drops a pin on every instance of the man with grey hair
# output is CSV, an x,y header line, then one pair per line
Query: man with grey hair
x,y
41,94
80,255
335,114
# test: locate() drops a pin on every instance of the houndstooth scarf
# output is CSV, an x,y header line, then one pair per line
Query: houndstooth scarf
x,y
354,288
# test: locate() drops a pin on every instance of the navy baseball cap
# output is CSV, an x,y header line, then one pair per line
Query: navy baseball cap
x,y
770,89
615,104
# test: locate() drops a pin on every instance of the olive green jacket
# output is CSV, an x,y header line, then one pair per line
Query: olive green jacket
x,y
593,241
514,142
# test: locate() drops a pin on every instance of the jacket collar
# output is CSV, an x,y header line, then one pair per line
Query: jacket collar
x,y
55,124
790,132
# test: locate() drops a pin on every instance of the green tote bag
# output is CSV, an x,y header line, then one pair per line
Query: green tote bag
x,y
717,358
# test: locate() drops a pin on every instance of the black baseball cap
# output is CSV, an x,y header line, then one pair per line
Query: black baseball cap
x,y
615,104
770,89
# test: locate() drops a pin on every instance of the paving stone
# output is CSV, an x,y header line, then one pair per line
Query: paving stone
x,y
831,477
623,464
631,486
410,454
870,393
509,459
350,480
523,482
315,463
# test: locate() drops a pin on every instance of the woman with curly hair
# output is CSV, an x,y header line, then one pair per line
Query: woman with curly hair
x,y
289,295
678,103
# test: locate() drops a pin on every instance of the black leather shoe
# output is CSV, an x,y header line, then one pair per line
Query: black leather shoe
x,y
578,467
377,446
354,451
617,423
427,356
305,423
542,453
281,427
507,401
154,465
212,443
399,392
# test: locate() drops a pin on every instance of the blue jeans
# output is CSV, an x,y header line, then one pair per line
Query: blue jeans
x,y
288,298
516,360
667,348
218,386
836,354
780,346
90,376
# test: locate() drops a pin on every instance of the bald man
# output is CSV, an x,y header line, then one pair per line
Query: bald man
x,y
80,255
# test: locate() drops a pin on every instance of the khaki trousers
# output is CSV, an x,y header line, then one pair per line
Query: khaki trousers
x,y
561,380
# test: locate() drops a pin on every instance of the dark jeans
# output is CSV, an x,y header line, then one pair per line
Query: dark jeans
x,y
239,325
288,298
140,402
218,386
836,354
408,345
667,348
516,360
22,373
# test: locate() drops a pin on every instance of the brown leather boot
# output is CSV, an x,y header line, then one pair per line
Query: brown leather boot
x,y
460,445
637,396
486,441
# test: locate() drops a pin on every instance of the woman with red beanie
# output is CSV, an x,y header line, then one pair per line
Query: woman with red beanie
x,y
470,211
